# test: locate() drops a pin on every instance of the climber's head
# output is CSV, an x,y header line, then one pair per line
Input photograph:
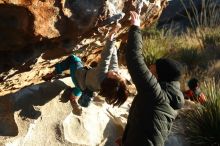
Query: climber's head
x,y
193,83
168,70
114,89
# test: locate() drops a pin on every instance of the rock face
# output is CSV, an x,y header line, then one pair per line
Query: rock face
x,y
46,30
35,116
29,21
66,23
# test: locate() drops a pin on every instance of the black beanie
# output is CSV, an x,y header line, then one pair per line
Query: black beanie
x,y
168,70
193,83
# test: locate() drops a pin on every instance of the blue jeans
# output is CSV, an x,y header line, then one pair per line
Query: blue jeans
x,y
73,63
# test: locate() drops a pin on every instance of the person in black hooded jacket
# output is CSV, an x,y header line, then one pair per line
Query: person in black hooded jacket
x,y
158,94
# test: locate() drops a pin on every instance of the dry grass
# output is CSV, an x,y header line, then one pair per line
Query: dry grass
x,y
186,48
202,123
199,50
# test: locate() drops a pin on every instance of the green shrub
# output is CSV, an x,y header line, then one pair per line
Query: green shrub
x,y
202,124
153,50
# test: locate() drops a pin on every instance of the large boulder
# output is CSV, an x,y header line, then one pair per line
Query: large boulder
x,y
35,115
35,34
27,22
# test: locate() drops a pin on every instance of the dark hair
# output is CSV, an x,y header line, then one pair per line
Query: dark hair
x,y
114,90
193,83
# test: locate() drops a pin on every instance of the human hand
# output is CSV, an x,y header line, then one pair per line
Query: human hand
x,y
113,31
135,18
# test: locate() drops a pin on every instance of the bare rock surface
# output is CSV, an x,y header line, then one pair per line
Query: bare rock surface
x,y
63,26
35,34
66,22
51,122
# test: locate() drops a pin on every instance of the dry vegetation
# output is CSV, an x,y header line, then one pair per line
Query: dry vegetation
x,y
199,50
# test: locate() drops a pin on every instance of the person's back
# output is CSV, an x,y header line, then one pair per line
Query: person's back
x,y
153,109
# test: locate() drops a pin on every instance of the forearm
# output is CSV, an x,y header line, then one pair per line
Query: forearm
x,y
106,56
114,61
140,74
133,54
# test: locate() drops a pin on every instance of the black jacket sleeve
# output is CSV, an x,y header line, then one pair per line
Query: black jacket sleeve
x,y
143,79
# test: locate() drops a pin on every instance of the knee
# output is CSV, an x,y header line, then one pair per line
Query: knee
x,y
76,91
75,58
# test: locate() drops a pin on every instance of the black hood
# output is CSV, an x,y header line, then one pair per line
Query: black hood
x,y
174,94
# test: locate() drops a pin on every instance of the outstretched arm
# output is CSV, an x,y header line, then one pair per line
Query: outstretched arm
x,y
114,61
143,79
106,56
109,60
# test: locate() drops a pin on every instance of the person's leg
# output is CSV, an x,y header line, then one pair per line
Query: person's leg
x,y
66,64
76,91
77,110
76,64
72,62
86,95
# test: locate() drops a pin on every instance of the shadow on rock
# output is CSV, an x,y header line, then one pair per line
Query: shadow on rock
x,y
114,126
25,100
16,37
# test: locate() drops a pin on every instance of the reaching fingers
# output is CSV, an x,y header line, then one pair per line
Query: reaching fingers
x,y
132,15
135,18
118,26
136,15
